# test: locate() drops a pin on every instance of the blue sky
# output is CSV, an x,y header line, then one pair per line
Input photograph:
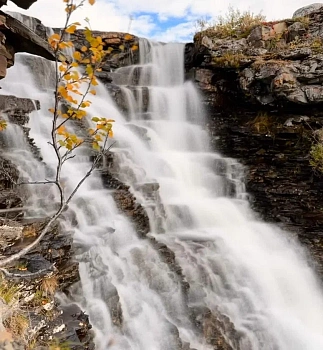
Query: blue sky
x,y
164,20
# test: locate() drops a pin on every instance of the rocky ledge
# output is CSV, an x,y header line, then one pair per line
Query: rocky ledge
x,y
263,94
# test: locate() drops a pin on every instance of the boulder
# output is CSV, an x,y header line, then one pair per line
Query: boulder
x,y
307,10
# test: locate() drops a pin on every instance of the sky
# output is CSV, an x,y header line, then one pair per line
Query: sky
x,y
162,20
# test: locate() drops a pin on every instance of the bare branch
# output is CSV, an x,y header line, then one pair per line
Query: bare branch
x,y
10,210
29,276
27,249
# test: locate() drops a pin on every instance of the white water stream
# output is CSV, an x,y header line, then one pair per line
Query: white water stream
x,y
248,270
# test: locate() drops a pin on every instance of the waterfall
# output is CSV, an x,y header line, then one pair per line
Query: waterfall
x,y
236,265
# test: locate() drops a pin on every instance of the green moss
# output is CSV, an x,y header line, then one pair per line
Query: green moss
x,y
316,154
56,344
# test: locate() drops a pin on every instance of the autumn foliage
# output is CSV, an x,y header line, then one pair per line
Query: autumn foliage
x,y
75,81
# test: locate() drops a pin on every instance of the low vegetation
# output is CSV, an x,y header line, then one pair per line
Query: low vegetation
x,y
233,24
230,60
12,317
316,152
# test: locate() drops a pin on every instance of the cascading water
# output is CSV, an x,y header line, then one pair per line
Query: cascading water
x,y
243,268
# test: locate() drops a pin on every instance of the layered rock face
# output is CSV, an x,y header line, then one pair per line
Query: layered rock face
x,y
263,95
16,37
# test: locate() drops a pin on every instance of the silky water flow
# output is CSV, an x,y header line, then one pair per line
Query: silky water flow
x,y
236,265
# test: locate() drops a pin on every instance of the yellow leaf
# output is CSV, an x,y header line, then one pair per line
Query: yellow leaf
x,y
85,104
62,58
96,146
110,133
84,49
91,2
134,48
89,70
52,110
93,92
94,82
71,29
61,130
121,47
55,37
77,55
62,68
3,125
128,37
75,75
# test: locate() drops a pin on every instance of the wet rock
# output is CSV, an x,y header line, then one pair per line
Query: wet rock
x,y
139,94
18,108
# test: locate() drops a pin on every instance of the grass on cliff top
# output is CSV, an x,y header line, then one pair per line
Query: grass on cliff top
x,y
233,24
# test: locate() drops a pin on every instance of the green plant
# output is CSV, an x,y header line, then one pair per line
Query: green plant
x,y
305,20
262,123
230,60
316,152
17,324
233,24
317,45
9,292
56,344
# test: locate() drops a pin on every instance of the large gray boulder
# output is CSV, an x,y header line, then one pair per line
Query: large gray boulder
x,y
306,10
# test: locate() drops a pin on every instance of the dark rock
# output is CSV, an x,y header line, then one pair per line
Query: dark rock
x,y
24,4
25,40
296,31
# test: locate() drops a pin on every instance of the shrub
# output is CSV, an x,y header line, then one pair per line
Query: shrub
x,y
233,24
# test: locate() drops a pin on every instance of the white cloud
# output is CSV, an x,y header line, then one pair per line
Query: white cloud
x,y
114,15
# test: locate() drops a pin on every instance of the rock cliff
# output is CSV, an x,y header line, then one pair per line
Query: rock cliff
x,y
263,94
